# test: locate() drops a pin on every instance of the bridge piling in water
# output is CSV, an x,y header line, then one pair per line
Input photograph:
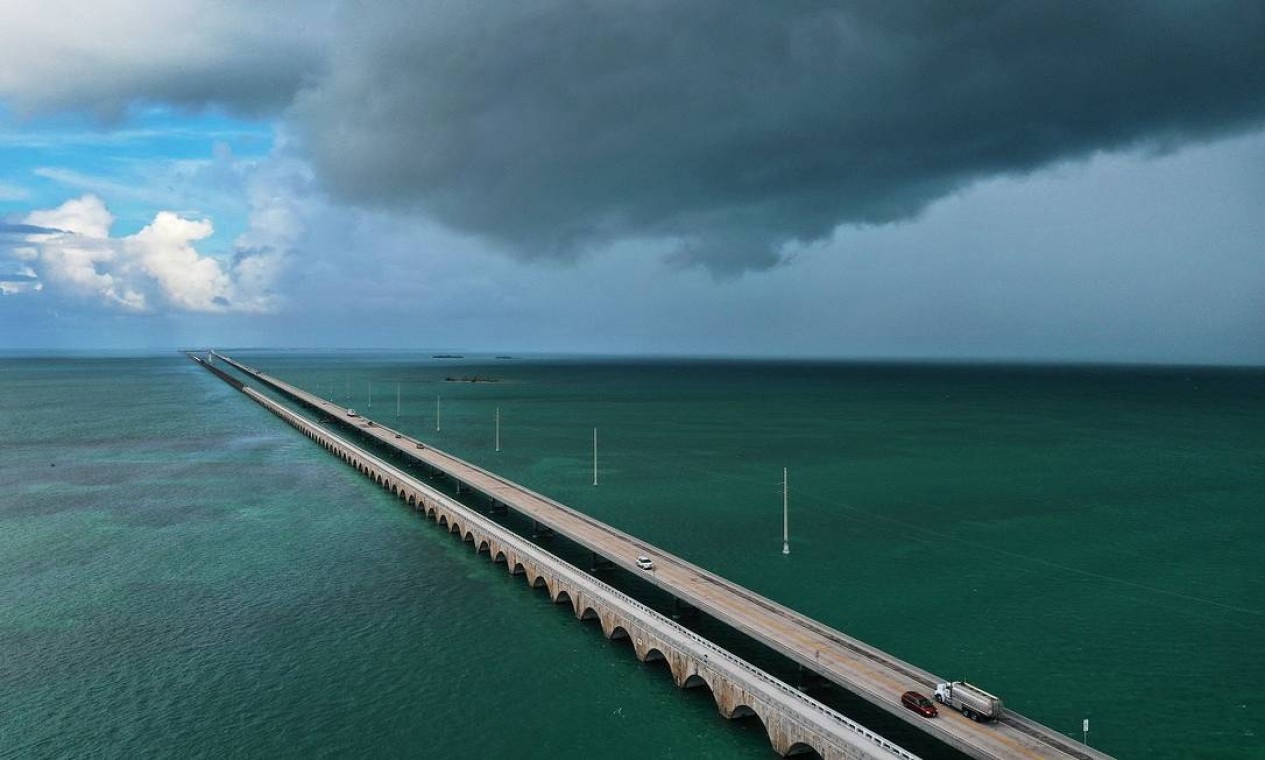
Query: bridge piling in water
x,y
794,723
786,713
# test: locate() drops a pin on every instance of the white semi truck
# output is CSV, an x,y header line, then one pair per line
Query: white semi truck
x,y
974,702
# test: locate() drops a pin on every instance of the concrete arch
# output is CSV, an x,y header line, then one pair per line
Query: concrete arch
x,y
651,654
589,614
497,552
693,681
443,519
735,703
747,713
483,546
560,596
744,711
800,749
618,633
611,622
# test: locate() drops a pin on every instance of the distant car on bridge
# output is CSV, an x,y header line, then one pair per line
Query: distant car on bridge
x,y
919,704
645,563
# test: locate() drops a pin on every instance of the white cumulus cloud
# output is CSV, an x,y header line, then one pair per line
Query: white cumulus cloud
x,y
159,268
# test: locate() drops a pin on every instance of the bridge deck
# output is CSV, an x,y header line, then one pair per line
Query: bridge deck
x,y
866,671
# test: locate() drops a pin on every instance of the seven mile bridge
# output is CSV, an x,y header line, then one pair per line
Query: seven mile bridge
x,y
874,675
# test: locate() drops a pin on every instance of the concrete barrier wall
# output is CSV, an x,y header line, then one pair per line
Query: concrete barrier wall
x,y
795,722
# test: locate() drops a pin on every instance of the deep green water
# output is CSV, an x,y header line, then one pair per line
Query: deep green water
x,y
182,574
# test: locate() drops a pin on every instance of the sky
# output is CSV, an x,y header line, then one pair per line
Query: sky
x,y
1027,181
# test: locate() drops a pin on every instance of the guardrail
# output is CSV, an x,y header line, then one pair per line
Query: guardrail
x,y
453,466
674,633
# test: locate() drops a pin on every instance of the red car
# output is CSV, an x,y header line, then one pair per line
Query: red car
x,y
919,704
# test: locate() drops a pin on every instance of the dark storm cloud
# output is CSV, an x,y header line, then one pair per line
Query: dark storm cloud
x,y
735,127
245,56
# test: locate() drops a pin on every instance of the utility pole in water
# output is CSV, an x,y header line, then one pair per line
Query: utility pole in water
x,y
786,532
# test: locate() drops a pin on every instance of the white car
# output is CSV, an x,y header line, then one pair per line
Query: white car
x,y
644,562
351,413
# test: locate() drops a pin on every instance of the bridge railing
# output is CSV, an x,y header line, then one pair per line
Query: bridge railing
x,y
782,692
1053,739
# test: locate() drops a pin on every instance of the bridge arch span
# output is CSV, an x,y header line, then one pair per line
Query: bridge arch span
x,y
800,749
647,653
736,693
608,620
499,553
693,681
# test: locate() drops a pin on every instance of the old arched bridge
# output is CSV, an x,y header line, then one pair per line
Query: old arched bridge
x,y
861,669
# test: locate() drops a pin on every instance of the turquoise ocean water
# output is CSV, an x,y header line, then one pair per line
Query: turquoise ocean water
x,y
183,575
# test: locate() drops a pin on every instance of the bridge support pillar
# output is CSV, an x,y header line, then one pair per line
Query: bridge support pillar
x,y
810,680
683,610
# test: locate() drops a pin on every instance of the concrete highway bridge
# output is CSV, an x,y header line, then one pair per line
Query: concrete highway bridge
x,y
795,721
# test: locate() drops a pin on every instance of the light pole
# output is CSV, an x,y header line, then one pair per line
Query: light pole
x,y
786,533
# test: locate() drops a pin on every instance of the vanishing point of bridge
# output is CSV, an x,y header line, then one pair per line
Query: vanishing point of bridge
x,y
795,722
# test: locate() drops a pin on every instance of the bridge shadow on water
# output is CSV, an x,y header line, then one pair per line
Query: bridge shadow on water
x,y
634,585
